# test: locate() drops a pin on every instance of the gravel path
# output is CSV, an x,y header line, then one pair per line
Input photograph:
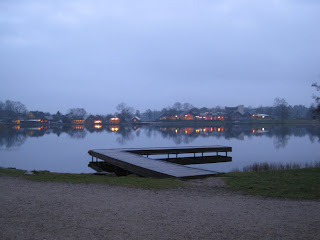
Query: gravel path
x,y
44,210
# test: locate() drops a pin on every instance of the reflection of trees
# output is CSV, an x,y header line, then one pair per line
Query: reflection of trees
x,y
95,128
314,133
178,135
10,138
125,135
281,136
150,131
77,133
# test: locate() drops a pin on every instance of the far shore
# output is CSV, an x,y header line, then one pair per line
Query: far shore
x,y
183,123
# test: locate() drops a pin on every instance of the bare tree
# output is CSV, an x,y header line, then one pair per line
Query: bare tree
x,y
125,112
77,113
187,106
281,108
148,112
11,109
316,111
177,106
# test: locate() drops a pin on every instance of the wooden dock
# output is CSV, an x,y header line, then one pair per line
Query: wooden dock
x,y
135,160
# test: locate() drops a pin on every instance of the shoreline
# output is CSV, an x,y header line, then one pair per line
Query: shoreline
x,y
303,183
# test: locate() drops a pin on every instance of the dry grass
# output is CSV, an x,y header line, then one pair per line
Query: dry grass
x,y
260,167
289,183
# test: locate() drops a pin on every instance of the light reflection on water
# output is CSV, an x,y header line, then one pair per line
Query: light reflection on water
x,y
64,149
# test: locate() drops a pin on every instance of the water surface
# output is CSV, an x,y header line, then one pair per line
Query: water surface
x,y
64,149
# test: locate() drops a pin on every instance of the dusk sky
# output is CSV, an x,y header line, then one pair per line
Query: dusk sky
x,y
56,55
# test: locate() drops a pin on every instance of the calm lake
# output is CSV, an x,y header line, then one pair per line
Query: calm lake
x,y
64,149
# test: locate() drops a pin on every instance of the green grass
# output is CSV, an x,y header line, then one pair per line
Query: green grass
x,y
294,183
128,181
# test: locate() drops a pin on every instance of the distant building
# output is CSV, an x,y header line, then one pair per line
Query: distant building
x,y
94,120
186,115
261,116
247,115
239,109
208,116
167,117
114,120
190,115
35,115
235,116
77,121
135,120
30,121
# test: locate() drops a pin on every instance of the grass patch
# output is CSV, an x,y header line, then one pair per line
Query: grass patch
x,y
294,183
128,181
265,166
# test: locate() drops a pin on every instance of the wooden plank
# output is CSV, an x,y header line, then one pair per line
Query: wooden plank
x,y
180,150
198,160
147,167
128,160
123,158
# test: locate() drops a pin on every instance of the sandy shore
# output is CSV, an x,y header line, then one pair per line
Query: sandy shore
x,y
36,210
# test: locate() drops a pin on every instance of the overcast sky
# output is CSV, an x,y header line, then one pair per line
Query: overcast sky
x,y
55,55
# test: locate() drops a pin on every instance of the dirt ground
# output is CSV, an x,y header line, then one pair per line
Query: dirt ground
x,y
44,210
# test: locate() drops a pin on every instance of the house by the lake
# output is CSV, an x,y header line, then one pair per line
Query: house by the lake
x,y
114,120
135,120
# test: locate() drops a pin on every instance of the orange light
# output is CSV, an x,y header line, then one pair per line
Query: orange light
x,y
17,127
97,121
188,130
77,127
77,121
97,126
114,128
253,131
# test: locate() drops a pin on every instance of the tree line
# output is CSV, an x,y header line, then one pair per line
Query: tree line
x,y
11,110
